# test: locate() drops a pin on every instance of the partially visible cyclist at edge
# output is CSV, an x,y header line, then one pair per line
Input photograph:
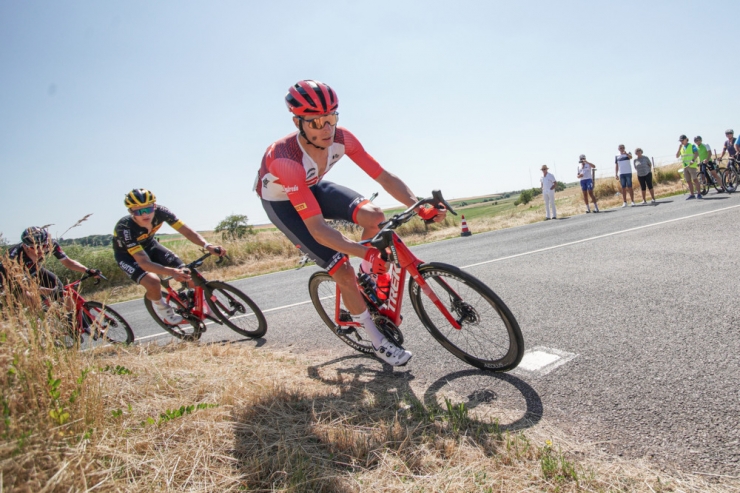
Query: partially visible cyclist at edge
x,y
35,245
298,201
729,146
142,257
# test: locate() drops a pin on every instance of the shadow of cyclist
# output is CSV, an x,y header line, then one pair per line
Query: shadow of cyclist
x,y
362,413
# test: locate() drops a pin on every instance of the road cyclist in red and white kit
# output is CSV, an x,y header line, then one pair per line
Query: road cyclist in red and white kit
x,y
299,201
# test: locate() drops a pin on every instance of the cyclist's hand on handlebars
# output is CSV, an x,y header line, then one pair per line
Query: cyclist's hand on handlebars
x,y
93,272
435,214
216,250
180,275
378,264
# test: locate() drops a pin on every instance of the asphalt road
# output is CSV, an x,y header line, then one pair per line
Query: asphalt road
x,y
644,297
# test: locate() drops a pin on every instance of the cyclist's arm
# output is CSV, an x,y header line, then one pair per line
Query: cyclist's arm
x,y
197,239
72,264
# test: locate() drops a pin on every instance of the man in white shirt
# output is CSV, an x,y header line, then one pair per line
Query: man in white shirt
x,y
623,171
548,184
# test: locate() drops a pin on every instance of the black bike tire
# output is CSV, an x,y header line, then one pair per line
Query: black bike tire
x,y
314,284
515,351
222,286
730,179
193,336
113,314
703,183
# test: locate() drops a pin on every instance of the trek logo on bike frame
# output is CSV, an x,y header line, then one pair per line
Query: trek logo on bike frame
x,y
395,282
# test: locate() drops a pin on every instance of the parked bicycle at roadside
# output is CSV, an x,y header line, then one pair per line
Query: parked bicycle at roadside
x,y
731,175
707,179
208,302
463,314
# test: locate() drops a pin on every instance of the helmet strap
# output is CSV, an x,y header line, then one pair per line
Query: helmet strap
x,y
303,134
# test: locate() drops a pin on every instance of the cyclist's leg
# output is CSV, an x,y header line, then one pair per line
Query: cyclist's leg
x,y
284,216
342,203
133,270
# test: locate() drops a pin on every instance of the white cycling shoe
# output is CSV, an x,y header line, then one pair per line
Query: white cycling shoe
x,y
168,314
392,354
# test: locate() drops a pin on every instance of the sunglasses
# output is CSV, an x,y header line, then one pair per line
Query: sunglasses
x,y
142,211
319,122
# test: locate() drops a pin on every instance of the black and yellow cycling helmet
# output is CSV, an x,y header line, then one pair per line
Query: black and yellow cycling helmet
x,y
139,197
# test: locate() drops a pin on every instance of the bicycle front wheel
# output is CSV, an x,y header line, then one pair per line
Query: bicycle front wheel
x,y
490,338
105,323
730,179
236,309
323,291
703,184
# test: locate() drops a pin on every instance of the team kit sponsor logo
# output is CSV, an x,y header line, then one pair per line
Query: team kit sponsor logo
x,y
301,207
126,267
294,188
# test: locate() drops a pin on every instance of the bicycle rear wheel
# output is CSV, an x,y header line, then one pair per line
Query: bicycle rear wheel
x,y
187,332
490,338
107,324
323,292
236,309
703,184
730,179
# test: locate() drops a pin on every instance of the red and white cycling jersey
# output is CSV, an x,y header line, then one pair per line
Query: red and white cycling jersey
x,y
287,171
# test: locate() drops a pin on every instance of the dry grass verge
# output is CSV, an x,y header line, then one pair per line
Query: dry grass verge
x,y
227,417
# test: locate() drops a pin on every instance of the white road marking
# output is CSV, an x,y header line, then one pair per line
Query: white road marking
x,y
597,237
540,361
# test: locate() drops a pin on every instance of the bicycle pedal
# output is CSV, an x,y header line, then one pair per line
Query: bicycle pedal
x,y
345,331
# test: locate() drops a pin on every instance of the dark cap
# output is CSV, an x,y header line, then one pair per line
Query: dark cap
x,y
682,137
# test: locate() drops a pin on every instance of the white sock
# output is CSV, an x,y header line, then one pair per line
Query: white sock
x,y
367,322
161,303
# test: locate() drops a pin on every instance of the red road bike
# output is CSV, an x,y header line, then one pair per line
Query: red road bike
x,y
463,314
98,321
213,301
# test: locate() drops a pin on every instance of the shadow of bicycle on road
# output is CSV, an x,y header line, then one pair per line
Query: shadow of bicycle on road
x,y
475,390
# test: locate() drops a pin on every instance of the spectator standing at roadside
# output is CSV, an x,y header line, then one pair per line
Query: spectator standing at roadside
x,y
548,184
643,166
729,144
623,172
705,160
689,154
587,182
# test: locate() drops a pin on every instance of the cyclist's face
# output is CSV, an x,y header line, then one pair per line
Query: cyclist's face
x,y
144,218
323,137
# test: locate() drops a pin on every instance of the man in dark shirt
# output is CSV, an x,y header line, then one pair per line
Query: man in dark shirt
x,y
30,254
142,257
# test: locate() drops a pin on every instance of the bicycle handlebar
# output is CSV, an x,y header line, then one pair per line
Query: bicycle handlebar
x,y
199,261
381,240
403,217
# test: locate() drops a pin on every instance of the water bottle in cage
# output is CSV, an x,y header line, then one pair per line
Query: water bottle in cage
x,y
368,286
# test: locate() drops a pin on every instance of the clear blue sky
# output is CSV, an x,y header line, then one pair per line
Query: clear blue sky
x,y
471,97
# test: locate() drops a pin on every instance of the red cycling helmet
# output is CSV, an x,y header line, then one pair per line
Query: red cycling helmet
x,y
311,97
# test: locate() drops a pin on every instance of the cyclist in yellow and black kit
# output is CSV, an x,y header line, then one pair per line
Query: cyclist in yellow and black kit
x,y
142,257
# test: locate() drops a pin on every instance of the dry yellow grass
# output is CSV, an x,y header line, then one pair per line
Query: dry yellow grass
x,y
279,422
